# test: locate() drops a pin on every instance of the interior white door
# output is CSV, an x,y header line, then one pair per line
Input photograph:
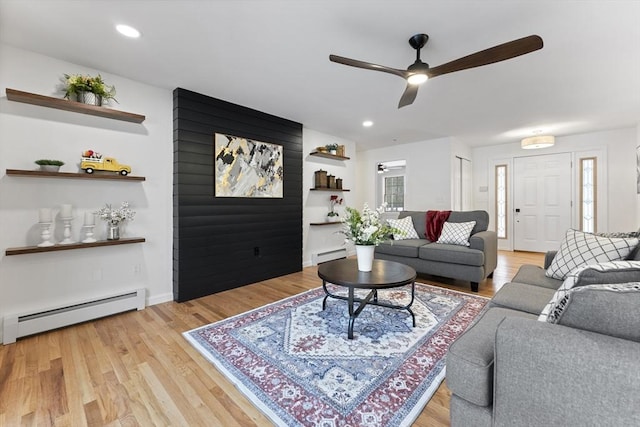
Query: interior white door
x,y
542,201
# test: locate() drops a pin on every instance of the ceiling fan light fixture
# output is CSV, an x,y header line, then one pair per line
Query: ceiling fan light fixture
x,y
417,79
538,141
128,31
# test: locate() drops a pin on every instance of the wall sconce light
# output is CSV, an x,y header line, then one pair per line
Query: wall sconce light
x,y
380,168
538,141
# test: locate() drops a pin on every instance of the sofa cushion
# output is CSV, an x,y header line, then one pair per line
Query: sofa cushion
x,y
480,217
609,272
406,248
470,357
452,254
534,275
609,309
523,297
456,233
579,248
403,229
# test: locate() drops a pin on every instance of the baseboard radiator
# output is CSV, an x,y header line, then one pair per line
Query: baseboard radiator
x,y
21,325
320,257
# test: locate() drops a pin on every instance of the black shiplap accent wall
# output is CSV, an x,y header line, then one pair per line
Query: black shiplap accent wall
x,y
214,239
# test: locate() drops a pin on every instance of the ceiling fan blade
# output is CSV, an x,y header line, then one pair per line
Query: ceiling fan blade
x,y
408,96
489,56
367,65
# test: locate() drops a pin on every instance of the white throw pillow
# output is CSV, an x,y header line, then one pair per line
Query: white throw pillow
x,y
405,228
579,248
456,233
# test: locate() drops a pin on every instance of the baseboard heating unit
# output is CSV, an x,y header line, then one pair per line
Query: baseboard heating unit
x,y
320,257
21,325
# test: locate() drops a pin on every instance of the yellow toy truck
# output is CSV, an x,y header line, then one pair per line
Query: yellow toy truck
x,y
92,161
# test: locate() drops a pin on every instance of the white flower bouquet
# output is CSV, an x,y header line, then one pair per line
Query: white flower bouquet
x,y
116,216
365,228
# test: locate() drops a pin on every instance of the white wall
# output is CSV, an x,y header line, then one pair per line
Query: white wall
x,y
28,132
429,168
316,203
638,173
618,147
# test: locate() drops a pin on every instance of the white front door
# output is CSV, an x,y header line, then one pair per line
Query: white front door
x,y
542,201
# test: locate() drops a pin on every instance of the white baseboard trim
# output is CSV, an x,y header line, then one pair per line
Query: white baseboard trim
x,y
159,299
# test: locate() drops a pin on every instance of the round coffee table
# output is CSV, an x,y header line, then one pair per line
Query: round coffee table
x,y
384,275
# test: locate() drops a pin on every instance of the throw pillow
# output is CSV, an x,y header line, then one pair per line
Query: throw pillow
x,y
456,233
573,280
561,305
403,228
609,309
579,248
620,234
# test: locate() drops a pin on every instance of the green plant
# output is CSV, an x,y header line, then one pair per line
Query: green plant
x,y
76,83
366,228
46,162
331,147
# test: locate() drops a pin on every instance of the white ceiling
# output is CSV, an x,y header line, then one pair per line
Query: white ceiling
x,y
273,56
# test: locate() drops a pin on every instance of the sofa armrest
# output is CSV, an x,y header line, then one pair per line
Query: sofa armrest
x,y
555,375
548,258
487,242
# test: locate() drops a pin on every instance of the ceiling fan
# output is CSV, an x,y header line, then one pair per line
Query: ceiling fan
x,y
419,72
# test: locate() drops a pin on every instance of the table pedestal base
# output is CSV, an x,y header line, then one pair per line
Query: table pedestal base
x,y
371,298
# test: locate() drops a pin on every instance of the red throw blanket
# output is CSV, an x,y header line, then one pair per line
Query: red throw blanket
x,y
435,222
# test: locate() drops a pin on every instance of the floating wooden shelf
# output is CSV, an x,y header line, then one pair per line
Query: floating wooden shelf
x,y
36,249
73,175
326,223
329,189
78,107
328,155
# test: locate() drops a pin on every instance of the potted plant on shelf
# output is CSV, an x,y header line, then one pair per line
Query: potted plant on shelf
x,y
114,217
49,165
333,216
332,148
87,89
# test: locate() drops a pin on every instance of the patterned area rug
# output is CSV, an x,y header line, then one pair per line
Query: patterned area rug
x,y
293,360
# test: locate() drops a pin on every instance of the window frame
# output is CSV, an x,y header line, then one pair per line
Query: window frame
x,y
497,200
581,187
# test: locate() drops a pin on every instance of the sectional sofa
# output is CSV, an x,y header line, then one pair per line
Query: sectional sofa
x,y
579,366
474,263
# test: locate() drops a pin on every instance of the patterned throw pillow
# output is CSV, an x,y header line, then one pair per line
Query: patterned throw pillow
x,y
579,248
620,234
573,278
456,233
405,226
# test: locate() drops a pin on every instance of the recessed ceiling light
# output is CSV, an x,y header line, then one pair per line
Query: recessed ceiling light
x,y
128,31
367,123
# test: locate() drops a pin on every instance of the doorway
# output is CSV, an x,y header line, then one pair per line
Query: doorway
x,y
542,201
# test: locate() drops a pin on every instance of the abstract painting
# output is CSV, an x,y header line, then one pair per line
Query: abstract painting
x,y
247,168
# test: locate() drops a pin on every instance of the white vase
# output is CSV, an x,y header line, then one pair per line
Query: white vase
x,y
91,98
364,253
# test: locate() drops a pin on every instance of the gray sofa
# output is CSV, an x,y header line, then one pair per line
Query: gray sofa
x,y
473,263
509,369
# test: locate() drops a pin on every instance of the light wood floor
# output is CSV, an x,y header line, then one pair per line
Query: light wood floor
x,y
136,369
